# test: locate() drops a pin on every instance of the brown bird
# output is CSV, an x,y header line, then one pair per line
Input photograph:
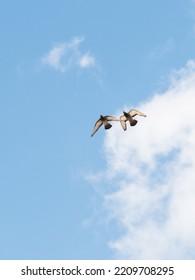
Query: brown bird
x,y
129,117
103,120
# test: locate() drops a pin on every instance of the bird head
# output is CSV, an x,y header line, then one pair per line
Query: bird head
x,y
125,113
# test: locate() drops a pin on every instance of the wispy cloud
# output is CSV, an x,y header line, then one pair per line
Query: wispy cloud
x,y
160,51
53,58
153,166
65,55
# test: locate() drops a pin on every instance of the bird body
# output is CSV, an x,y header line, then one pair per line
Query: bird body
x,y
103,120
129,117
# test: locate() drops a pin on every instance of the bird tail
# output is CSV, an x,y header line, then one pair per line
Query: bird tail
x,y
133,122
108,125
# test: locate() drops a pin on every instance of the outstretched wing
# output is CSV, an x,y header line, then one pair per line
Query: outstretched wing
x,y
135,112
123,122
110,118
96,127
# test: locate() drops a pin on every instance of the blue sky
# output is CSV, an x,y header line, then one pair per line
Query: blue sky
x,y
63,63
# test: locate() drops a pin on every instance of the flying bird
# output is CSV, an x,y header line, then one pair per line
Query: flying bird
x,y
129,117
103,120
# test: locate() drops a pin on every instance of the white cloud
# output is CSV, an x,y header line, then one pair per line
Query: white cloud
x,y
65,55
153,166
53,58
86,61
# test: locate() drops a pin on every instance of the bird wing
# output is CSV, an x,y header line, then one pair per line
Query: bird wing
x,y
135,112
96,127
123,118
110,118
123,122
